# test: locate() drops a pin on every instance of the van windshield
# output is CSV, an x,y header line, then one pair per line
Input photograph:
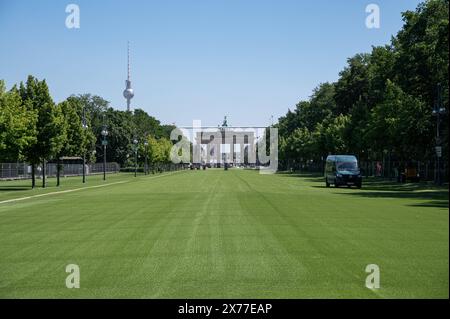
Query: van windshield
x,y
347,166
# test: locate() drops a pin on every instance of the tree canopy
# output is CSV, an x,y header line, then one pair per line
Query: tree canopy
x,y
382,101
35,129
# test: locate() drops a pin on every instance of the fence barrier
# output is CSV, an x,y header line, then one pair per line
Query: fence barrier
x,y
426,170
23,170
384,169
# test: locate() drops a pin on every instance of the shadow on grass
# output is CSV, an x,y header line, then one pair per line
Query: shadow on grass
x,y
433,198
372,183
12,188
310,177
430,194
433,203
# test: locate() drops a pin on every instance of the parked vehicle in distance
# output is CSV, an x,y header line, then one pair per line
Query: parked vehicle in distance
x,y
342,170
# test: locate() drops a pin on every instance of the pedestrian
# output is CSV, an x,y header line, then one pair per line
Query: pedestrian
x,y
379,169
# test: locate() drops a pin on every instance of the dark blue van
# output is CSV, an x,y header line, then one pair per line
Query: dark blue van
x,y
342,170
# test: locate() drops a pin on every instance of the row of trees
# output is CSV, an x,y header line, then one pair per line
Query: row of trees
x,y
35,129
382,103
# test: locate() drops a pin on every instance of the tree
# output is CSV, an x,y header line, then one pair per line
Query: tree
x,y
382,101
80,140
17,125
122,131
95,109
146,124
422,50
329,136
355,129
288,123
380,69
33,128
422,62
158,150
298,147
321,106
50,125
353,83
401,124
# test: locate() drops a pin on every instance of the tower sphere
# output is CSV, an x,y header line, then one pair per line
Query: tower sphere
x,y
128,93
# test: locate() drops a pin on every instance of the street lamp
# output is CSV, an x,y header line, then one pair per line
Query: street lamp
x,y
85,126
438,111
135,142
104,143
146,151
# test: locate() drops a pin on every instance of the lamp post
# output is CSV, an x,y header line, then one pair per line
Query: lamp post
x,y
85,126
438,111
104,143
135,142
146,163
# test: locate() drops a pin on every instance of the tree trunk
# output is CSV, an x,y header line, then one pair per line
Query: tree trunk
x,y
33,175
43,173
58,171
390,166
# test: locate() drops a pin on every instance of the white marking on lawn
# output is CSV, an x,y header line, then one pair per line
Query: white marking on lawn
x,y
58,192
76,189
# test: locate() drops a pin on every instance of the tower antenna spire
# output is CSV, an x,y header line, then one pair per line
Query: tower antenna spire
x,y
128,47
128,93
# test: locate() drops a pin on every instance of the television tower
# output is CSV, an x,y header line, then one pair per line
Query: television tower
x,y
128,93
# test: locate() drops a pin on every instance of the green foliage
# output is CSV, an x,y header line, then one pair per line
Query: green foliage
x,y
299,145
17,126
123,127
34,129
121,134
422,50
322,105
79,140
382,101
146,124
390,125
158,150
329,135
51,132
353,83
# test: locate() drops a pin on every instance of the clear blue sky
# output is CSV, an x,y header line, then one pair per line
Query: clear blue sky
x,y
191,59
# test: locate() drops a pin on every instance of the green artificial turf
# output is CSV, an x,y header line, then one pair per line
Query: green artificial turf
x,y
223,234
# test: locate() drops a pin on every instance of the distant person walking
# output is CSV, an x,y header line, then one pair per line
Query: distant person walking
x,y
379,169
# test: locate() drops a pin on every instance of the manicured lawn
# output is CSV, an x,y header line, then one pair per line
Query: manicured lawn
x,y
233,234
